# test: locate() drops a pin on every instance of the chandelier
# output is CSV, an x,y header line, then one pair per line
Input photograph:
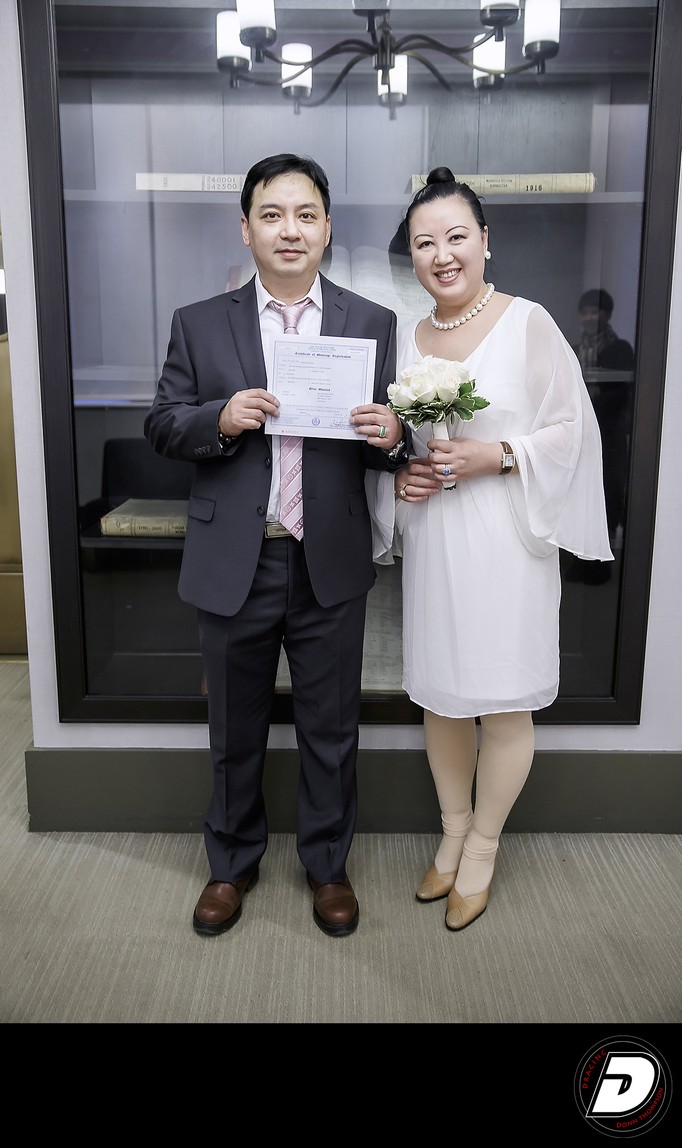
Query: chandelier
x,y
245,36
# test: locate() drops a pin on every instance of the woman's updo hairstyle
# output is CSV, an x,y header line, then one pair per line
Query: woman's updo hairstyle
x,y
441,184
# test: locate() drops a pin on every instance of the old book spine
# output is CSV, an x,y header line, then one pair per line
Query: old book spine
x,y
556,183
116,525
161,526
144,526
187,181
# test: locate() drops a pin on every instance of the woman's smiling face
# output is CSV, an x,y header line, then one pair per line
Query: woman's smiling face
x,y
448,251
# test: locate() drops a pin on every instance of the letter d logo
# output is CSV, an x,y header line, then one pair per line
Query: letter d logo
x,y
626,1084
623,1086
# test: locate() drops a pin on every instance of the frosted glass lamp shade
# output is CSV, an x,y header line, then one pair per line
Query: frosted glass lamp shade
x,y
489,56
541,29
397,81
294,81
257,23
231,53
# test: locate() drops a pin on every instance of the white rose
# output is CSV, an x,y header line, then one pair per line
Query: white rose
x,y
407,374
399,395
449,375
423,391
419,380
418,371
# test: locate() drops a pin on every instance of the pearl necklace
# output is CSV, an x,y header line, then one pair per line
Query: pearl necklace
x,y
469,315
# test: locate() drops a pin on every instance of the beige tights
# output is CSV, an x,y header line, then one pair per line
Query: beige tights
x,y
470,840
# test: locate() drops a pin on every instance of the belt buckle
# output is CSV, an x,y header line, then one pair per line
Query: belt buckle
x,y
276,530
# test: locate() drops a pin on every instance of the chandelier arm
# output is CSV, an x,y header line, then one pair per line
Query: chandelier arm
x,y
525,67
432,68
409,45
420,41
337,82
336,50
273,82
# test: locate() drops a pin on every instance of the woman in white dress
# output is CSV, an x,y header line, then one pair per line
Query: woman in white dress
x,y
481,585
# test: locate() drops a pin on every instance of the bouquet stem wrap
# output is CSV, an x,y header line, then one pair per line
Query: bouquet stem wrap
x,y
442,430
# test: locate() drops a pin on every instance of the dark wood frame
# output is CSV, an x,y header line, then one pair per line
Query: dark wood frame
x,y
39,58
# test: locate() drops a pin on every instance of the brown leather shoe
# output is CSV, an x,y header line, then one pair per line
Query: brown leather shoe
x,y
220,905
335,907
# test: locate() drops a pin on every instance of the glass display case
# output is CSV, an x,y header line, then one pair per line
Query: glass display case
x,y
138,143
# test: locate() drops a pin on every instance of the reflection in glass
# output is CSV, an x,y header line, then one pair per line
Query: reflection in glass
x,y
608,369
133,255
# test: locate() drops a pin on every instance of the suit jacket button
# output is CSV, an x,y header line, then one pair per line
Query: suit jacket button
x,y
261,510
268,461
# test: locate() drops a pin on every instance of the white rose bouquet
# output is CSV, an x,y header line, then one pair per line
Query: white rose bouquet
x,y
436,391
433,391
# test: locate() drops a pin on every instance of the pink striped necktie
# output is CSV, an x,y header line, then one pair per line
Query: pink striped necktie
x,y
291,446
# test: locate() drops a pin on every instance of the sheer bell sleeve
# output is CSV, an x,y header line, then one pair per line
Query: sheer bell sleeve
x,y
560,500
380,490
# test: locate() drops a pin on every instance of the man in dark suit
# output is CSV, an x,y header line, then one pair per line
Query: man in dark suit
x,y
258,586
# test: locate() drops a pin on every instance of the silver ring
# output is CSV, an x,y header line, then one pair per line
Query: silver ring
x,y
382,432
401,492
446,470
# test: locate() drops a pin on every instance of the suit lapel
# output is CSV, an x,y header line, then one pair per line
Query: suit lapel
x,y
334,308
242,315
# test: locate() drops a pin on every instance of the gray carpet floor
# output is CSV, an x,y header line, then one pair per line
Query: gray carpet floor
x,y
96,928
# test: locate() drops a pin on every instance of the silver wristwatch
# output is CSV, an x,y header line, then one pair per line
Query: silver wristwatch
x,y
399,451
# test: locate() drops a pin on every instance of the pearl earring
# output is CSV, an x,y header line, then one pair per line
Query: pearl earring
x,y
487,254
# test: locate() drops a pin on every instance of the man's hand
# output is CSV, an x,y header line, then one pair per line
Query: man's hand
x,y
246,410
415,482
380,425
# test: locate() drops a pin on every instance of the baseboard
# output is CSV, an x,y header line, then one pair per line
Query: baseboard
x,y
167,791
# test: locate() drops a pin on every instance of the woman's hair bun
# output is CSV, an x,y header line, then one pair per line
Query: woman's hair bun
x,y
440,175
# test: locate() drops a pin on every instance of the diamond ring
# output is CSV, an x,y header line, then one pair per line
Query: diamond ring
x,y
446,470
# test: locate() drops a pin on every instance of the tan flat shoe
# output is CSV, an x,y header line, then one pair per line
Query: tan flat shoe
x,y
435,885
462,911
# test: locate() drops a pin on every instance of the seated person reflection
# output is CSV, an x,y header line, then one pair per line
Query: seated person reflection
x,y
600,349
599,345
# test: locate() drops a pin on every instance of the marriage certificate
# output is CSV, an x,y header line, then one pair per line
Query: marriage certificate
x,y
318,382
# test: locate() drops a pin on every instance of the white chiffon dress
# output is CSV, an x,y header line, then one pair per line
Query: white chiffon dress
x,y
481,584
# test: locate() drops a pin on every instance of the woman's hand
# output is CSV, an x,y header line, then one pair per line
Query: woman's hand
x,y
415,482
380,425
458,459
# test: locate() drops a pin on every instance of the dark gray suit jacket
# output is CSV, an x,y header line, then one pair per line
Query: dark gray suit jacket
x,y
215,349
